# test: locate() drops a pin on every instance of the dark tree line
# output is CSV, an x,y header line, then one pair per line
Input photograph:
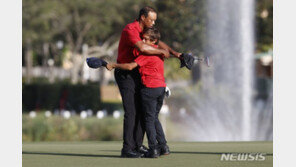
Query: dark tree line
x,y
99,23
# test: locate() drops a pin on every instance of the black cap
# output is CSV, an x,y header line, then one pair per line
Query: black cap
x,y
94,62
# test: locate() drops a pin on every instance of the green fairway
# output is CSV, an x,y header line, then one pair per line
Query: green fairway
x,y
94,154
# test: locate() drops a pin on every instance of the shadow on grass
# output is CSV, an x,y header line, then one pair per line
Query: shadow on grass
x,y
188,152
71,154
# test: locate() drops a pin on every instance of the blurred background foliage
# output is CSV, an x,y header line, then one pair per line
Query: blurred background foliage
x,y
57,128
76,22
264,25
61,95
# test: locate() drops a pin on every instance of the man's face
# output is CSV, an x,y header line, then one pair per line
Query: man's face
x,y
149,21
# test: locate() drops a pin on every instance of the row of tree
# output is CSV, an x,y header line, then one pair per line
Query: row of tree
x,y
50,24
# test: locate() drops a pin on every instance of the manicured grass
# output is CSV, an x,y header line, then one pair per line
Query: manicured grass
x,y
107,154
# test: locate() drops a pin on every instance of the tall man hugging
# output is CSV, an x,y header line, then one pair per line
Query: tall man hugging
x,y
129,81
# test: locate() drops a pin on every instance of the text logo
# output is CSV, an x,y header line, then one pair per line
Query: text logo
x,y
243,157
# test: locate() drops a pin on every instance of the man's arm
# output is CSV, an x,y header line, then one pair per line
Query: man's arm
x,y
150,50
124,66
134,39
162,45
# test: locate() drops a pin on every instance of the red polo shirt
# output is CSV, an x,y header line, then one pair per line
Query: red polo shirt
x,y
151,69
130,35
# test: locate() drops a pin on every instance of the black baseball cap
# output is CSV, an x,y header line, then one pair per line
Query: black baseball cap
x,y
94,62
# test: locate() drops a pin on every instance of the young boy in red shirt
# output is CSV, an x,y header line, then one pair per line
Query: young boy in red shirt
x,y
151,69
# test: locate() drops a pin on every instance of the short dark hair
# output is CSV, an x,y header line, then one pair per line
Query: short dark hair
x,y
153,33
145,10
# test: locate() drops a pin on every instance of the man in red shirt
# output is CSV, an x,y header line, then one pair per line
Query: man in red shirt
x,y
152,93
129,82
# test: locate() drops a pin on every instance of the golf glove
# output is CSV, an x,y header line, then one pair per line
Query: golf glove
x,y
167,92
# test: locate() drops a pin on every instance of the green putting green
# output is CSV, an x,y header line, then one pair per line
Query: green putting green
x,y
107,154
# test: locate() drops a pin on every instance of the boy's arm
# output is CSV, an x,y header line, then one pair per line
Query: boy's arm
x,y
125,66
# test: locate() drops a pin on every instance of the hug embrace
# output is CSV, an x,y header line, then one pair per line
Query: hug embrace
x,y
139,74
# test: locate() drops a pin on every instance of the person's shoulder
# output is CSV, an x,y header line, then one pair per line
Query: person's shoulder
x,y
131,26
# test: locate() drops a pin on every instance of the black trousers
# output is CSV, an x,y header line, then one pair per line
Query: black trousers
x,y
152,100
129,84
